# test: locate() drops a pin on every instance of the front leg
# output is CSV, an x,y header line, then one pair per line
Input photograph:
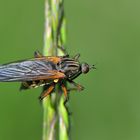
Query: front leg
x,y
63,51
76,86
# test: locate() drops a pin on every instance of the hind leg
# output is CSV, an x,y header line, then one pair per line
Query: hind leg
x,y
46,92
37,54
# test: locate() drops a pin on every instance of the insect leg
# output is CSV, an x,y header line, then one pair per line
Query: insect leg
x,y
64,89
76,57
63,50
24,85
47,92
76,86
37,54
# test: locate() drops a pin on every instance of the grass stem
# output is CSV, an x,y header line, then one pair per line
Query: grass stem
x,y
56,118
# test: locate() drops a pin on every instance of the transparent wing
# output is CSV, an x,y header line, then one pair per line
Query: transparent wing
x,y
37,69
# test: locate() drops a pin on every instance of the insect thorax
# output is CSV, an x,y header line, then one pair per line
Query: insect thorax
x,y
69,67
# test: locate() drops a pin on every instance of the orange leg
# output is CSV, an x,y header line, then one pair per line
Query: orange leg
x,y
65,92
46,92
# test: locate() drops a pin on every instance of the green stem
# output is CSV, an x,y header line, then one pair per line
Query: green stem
x,y
56,119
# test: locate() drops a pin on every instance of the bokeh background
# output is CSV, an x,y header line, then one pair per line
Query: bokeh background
x,y
103,32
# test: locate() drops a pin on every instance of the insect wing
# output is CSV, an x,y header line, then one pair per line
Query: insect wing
x,y
37,69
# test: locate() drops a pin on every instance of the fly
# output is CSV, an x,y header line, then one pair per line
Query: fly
x,y
45,70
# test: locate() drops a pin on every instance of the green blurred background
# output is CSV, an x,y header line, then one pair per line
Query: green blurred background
x,y
103,32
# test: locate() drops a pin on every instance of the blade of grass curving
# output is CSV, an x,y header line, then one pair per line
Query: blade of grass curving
x,y
49,119
55,112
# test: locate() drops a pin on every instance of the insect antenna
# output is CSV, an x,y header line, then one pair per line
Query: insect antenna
x,y
93,66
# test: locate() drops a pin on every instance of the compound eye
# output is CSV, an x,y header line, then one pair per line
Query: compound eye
x,y
85,68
